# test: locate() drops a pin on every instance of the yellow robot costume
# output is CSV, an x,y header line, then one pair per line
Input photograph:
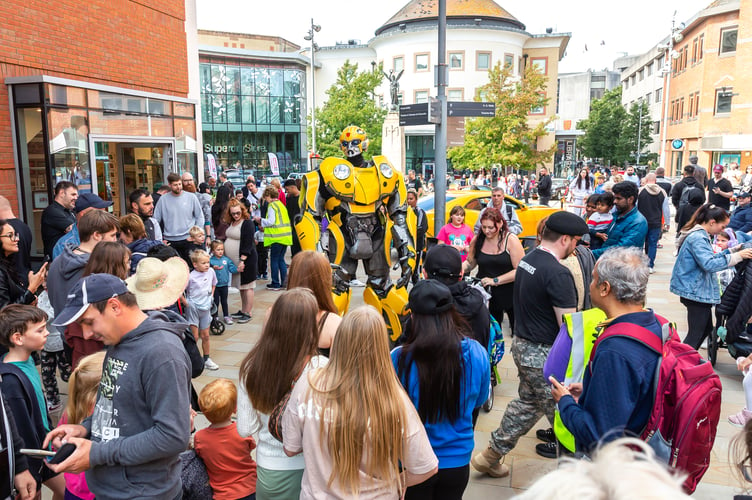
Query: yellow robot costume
x,y
351,193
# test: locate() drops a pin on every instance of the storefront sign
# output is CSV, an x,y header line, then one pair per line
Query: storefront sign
x,y
247,148
677,144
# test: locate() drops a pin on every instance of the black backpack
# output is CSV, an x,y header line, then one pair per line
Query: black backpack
x,y
686,195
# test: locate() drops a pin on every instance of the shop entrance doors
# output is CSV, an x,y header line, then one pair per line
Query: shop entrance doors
x,y
122,167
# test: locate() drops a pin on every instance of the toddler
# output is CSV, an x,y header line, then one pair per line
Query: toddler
x,y
232,471
197,236
601,220
224,268
721,242
263,254
741,418
53,357
199,292
84,382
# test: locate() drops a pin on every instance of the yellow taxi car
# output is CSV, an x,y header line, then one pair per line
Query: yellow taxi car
x,y
473,201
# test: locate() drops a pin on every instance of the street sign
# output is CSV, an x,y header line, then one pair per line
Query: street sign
x,y
460,108
455,128
413,114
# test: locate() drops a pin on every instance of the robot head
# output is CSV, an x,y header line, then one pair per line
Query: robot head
x,y
353,141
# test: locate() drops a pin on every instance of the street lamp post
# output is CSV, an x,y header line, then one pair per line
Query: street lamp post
x,y
675,37
315,28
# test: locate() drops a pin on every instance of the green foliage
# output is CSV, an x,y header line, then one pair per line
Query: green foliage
x,y
350,101
611,132
507,138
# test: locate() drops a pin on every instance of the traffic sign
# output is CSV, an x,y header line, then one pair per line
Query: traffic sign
x,y
460,108
413,114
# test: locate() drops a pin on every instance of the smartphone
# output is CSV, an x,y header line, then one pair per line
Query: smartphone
x,y
38,453
64,452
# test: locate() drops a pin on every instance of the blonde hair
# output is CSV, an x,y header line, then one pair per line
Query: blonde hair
x,y
360,390
82,386
623,469
196,231
218,400
198,254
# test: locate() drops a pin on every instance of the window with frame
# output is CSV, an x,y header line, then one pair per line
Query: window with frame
x,y
482,61
540,108
728,40
690,114
641,74
481,94
520,67
647,98
694,50
658,95
456,60
540,64
455,94
421,96
626,84
697,105
421,62
723,101
700,47
398,64
649,69
508,60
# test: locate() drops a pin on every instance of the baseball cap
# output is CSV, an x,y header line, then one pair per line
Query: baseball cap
x,y
718,168
567,223
744,194
430,297
443,261
88,290
90,200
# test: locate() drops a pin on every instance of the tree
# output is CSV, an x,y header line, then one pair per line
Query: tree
x,y
507,138
632,130
603,128
350,102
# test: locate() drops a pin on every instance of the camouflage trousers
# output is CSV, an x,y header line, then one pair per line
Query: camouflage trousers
x,y
534,399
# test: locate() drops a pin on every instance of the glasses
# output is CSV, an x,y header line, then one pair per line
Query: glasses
x,y
11,236
744,468
235,213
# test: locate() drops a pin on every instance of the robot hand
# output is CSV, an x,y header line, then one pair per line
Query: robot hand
x,y
407,272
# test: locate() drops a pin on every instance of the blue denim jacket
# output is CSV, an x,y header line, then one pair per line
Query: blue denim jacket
x,y
694,275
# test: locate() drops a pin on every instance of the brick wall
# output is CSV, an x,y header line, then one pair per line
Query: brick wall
x,y
123,43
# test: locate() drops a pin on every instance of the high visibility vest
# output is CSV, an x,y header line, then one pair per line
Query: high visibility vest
x,y
582,328
281,231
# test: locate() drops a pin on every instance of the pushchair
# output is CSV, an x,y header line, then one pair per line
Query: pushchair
x,y
732,330
216,327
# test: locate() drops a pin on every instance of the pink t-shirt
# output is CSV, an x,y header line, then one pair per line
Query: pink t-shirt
x,y
458,237
300,428
75,483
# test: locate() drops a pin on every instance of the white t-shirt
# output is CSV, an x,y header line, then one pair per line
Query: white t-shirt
x,y
300,428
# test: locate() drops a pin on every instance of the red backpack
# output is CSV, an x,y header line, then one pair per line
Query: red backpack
x,y
682,425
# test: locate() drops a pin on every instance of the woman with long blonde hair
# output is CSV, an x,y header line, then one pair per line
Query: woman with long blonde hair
x,y
370,428
310,269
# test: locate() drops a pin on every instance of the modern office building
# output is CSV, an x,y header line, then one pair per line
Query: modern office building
x,y
76,106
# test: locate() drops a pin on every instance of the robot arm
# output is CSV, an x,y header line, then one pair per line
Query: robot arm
x,y
402,237
308,223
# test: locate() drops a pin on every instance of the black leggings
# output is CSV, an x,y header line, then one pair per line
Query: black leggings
x,y
220,297
700,321
448,484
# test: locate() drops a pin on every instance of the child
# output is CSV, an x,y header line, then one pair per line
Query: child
x,y
723,240
53,357
232,471
84,382
263,254
23,330
224,268
197,236
199,292
591,206
600,222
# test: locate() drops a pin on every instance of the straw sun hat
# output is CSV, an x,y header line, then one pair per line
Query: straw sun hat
x,y
158,284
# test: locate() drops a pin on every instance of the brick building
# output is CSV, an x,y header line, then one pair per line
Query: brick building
x,y
95,93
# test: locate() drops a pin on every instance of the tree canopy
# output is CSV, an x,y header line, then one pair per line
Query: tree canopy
x,y
350,101
507,138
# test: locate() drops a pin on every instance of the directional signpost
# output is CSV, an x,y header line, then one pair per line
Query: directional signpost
x,y
460,108
413,114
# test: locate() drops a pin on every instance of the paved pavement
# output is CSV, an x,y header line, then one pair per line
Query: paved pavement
x,y
229,350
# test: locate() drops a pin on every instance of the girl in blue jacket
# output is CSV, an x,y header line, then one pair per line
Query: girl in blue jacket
x,y
694,277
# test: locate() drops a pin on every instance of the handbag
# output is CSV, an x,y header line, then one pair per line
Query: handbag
x,y
275,417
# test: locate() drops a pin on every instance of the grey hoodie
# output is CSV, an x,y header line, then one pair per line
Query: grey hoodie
x,y
141,420
64,273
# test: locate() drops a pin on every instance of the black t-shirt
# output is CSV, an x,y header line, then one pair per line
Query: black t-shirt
x,y
414,184
55,220
541,284
716,199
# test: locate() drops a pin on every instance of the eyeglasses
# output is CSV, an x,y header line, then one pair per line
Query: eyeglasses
x,y
11,236
235,213
744,468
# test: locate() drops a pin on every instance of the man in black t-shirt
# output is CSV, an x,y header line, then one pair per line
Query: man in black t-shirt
x,y
720,190
414,183
58,218
544,291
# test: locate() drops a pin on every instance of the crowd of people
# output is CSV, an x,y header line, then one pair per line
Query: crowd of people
x,y
122,312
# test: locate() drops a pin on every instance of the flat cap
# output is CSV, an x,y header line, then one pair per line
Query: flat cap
x,y
567,223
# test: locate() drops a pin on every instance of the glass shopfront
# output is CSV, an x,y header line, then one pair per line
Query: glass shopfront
x,y
250,111
105,142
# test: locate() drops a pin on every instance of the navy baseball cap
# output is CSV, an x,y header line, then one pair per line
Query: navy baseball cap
x,y
90,200
88,290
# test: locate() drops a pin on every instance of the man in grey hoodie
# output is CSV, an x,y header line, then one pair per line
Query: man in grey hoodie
x,y
129,447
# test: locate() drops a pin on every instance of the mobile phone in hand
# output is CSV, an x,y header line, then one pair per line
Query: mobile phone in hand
x,y
64,452
37,453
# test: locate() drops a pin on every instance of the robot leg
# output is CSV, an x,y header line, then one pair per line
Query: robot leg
x,y
344,273
382,294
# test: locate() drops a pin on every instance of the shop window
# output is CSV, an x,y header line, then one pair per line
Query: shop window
x,y
728,40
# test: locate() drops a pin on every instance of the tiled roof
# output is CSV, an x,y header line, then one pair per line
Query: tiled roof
x,y
426,9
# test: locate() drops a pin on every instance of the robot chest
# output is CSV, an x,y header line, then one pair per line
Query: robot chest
x,y
362,187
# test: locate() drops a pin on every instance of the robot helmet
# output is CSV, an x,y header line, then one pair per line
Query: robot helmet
x,y
353,141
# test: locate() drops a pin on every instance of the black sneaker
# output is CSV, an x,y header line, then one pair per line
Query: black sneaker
x,y
245,319
547,450
237,315
547,435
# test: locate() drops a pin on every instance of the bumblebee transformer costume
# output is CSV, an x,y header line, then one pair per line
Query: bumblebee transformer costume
x,y
352,193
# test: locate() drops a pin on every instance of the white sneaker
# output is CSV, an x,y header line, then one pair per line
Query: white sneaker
x,y
652,270
228,320
210,365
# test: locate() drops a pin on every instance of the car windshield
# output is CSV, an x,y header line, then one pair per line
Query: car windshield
x,y
426,202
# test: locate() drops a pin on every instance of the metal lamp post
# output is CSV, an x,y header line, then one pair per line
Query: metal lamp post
x,y
675,37
315,28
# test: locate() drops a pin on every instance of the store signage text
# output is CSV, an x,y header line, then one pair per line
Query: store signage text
x,y
247,148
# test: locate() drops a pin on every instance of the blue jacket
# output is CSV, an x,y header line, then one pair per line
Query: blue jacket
x,y
628,230
602,413
453,442
139,249
228,269
741,218
694,275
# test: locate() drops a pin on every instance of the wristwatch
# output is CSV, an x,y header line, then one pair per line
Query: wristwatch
x,y
496,280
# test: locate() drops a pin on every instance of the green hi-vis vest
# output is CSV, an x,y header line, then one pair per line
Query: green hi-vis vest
x,y
582,329
281,231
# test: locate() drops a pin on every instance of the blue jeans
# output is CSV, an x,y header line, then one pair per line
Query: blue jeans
x,y
651,244
277,263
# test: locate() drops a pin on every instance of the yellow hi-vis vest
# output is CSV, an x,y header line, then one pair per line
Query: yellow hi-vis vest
x,y
281,231
582,329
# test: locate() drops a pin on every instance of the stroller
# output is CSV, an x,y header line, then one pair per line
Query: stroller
x,y
732,330
216,327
